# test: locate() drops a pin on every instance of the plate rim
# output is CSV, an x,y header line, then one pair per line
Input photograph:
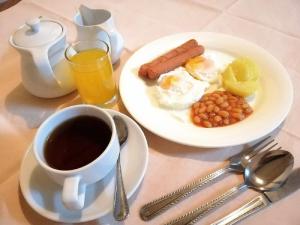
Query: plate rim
x,y
186,35
43,212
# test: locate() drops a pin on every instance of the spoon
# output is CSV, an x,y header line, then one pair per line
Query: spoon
x,y
266,172
237,163
121,208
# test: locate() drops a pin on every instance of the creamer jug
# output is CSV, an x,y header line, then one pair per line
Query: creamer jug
x,y
93,24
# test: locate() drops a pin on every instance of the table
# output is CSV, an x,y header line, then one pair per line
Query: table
x,y
273,25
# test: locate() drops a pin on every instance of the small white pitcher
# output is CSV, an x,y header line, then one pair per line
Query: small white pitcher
x,y
95,24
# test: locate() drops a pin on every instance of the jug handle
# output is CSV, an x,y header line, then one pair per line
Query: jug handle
x,y
41,60
116,43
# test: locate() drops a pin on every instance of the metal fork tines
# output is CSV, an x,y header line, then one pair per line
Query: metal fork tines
x,y
273,178
237,163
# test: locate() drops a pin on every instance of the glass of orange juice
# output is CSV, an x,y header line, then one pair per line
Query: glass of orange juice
x,y
93,73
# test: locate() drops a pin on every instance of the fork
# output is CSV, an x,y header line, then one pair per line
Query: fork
x,y
193,216
237,163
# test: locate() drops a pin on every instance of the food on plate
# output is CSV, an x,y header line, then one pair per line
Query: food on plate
x,y
219,108
178,90
155,71
207,66
182,48
184,75
202,68
171,60
241,77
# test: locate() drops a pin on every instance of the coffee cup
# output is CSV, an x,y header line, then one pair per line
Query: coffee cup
x,y
77,146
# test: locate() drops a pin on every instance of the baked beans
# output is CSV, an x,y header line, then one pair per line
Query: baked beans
x,y
219,108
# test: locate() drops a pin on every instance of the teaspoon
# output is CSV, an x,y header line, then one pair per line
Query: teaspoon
x,y
121,208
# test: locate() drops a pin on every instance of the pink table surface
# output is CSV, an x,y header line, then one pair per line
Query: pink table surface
x,y
273,25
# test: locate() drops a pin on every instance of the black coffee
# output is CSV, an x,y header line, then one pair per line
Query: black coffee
x,y
77,142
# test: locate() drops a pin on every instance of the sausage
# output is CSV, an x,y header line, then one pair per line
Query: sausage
x,y
155,70
172,53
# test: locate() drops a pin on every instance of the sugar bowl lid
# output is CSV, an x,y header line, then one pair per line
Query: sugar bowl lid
x,y
37,32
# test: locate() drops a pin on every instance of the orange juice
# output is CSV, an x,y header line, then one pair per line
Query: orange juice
x,y
93,74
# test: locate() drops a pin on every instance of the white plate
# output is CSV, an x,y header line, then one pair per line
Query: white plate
x,y
44,196
271,104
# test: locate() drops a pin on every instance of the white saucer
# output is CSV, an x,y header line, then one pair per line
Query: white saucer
x,y
44,196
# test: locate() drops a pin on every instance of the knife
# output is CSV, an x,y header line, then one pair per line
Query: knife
x,y
263,200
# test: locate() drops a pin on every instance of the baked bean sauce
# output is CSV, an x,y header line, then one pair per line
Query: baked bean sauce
x,y
219,108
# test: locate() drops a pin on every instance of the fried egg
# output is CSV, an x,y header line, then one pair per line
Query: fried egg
x,y
178,89
207,67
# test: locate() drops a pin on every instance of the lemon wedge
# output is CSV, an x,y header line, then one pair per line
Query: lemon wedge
x,y
241,77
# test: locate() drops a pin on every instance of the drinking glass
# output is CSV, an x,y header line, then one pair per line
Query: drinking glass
x,y
93,73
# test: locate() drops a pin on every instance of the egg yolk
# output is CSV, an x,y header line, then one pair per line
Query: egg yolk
x,y
199,63
168,81
241,77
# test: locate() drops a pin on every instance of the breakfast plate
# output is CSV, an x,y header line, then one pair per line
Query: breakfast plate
x,y
271,102
44,196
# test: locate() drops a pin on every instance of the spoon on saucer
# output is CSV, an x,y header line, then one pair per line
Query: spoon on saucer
x,y
121,207
266,172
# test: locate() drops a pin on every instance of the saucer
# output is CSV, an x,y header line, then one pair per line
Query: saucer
x,y
44,196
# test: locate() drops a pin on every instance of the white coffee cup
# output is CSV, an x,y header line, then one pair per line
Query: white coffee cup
x,y
75,181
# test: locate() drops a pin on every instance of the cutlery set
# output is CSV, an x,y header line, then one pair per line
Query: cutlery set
x,y
265,167
263,200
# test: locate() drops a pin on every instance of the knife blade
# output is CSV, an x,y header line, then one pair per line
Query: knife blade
x,y
263,200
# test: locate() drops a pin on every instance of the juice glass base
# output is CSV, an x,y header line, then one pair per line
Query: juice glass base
x,y
111,102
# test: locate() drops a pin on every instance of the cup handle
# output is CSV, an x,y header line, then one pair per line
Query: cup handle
x,y
73,194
